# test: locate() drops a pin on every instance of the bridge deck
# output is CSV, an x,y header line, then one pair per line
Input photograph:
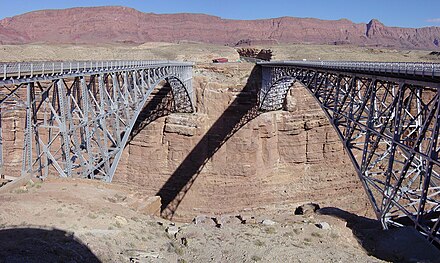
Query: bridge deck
x,y
408,70
47,70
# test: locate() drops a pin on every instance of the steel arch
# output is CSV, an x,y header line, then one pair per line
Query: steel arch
x,y
389,126
77,120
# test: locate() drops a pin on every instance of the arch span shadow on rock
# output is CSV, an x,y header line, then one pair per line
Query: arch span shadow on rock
x,y
400,244
241,110
42,245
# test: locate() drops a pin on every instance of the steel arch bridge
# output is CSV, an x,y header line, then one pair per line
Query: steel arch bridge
x,y
76,117
387,116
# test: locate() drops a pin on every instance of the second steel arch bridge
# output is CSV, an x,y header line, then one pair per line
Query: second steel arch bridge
x,y
387,116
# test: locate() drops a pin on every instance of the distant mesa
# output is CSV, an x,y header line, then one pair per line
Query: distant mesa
x,y
106,25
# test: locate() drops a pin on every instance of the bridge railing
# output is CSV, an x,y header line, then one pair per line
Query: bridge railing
x,y
423,69
30,69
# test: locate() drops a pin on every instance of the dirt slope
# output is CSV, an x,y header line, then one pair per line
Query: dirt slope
x,y
80,221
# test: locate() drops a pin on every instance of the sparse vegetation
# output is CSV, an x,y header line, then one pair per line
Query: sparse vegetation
x,y
288,234
259,243
316,234
21,190
270,230
256,258
92,216
296,231
175,248
334,235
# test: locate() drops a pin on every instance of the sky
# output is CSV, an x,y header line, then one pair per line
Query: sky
x,y
402,13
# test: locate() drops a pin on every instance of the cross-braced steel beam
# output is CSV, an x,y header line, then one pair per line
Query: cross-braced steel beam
x,y
387,115
77,116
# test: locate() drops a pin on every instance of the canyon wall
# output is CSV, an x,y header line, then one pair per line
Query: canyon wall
x,y
228,158
94,25
204,163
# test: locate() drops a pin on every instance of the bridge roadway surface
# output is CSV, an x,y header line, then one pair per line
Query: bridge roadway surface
x,y
410,70
48,70
78,116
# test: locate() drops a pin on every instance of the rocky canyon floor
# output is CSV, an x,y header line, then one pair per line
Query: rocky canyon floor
x,y
79,221
242,206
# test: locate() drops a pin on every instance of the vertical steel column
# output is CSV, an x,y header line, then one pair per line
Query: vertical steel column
x,y
265,84
143,84
126,94
49,122
27,152
86,125
38,149
336,100
73,133
103,122
349,129
117,107
364,164
136,92
387,192
433,155
64,129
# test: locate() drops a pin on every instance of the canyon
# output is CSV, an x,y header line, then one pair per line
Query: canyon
x,y
228,158
229,177
105,25
227,183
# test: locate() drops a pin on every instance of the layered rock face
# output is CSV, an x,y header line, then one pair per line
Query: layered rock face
x,y
126,25
226,159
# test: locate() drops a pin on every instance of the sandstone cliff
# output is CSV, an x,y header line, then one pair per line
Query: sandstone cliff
x,y
204,164
126,25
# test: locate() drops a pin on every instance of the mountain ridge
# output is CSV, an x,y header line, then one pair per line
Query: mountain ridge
x,y
117,24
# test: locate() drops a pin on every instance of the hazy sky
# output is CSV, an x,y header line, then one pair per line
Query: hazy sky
x,y
405,13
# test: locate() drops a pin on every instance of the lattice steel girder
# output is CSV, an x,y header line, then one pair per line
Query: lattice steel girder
x,y
389,126
77,120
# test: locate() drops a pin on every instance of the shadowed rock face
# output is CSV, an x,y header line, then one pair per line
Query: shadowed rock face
x,y
202,164
126,25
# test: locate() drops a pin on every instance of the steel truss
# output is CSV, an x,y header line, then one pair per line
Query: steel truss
x,y
389,126
77,119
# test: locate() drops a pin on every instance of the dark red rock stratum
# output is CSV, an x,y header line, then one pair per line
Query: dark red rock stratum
x,y
125,25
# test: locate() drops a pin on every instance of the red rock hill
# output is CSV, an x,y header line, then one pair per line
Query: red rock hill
x,y
126,25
